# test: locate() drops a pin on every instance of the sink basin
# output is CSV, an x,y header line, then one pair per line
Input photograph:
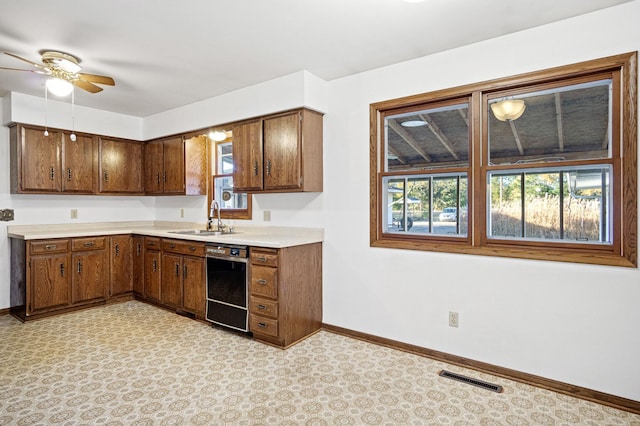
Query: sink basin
x,y
200,232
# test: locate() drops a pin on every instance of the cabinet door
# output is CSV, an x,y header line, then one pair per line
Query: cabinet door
x,y
138,264
247,156
78,164
121,275
194,285
173,154
153,169
282,147
152,275
171,285
49,276
89,273
40,161
120,166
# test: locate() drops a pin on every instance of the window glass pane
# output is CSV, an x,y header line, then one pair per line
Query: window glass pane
x,y
225,158
427,204
566,123
223,193
556,204
427,138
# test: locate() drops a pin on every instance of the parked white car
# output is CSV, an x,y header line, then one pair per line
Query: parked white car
x,y
449,214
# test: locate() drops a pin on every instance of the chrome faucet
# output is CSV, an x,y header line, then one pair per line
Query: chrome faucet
x,y
215,207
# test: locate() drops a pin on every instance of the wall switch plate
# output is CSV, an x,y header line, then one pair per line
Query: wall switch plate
x,y
267,215
181,212
6,215
453,319
74,213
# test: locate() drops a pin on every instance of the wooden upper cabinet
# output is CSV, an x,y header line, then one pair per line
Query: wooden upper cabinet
x,y
247,156
120,166
38,159
52,163
279,153
78,164
176,166
282,150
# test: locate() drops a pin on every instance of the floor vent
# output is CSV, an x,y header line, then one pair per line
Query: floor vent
x,y
470,381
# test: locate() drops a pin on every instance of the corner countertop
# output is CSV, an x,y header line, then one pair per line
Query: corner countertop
x,y
259,236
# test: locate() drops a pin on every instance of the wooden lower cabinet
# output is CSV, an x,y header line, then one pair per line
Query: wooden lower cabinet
x,y
152,268
183,276
285,286
121,265
194,297
138,264
48,276
89,269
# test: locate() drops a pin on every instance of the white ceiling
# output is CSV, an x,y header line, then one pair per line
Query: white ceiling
x,y
167,53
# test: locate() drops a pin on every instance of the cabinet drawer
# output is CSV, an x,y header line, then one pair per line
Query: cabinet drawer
x,y
263,325
258,305
264,281
263,257
90,243
152,243
183,247
48,246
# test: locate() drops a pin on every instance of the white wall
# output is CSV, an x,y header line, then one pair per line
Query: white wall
x,y
574,323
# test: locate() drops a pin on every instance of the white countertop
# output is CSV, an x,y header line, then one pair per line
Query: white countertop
x,y
259,236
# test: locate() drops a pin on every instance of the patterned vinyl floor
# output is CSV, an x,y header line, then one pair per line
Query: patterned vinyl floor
x,y
134,364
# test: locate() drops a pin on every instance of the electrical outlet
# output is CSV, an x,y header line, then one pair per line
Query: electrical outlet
x,y
74,213
453,319
181,212
267,215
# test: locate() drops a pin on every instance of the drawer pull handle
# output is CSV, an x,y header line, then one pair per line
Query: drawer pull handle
x,y
262,307
62,269
52,173
172,246
79,266
192,248
262,325
89,244
68,174
155,265
268,167
106,176
184,272
158,178
262,281
50,246
117,250
255,168
177,270
138,249
261,258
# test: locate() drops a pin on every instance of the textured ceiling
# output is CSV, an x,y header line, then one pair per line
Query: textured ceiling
x,y
164,54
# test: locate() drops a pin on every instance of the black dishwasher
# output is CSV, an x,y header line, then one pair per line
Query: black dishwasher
x,y
227,293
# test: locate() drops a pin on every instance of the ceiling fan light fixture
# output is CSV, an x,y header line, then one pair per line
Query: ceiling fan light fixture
x,y
69,66
59,86
508,109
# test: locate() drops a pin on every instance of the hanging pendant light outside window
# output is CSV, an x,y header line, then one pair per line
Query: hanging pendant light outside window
x,y
508,109
59,86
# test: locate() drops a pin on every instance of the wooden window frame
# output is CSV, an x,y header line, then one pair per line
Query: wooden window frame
x,y
622,251
245,214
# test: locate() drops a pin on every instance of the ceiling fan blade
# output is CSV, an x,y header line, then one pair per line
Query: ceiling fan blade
x,y
85,85
100,79
35,64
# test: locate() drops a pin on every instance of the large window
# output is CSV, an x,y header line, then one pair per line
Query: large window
x,y
538,166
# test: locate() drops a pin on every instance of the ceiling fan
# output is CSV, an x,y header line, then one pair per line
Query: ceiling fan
x,y
63,70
